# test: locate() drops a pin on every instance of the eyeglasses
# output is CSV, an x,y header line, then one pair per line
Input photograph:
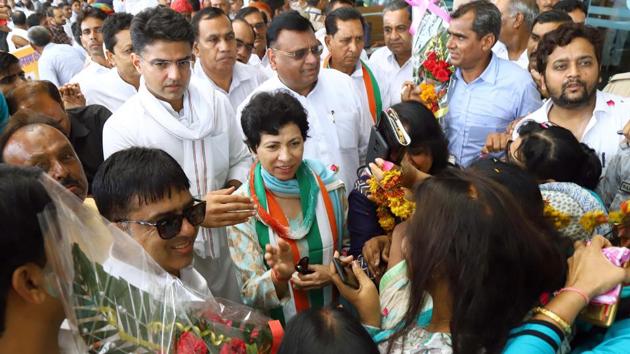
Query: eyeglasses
x,y
301,53
259,26
240,44
170,226
9,79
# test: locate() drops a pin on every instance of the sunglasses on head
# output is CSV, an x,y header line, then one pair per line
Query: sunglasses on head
x,y
169,226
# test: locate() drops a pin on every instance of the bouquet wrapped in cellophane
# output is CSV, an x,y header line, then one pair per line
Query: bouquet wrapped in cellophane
x,y
118,300
431,68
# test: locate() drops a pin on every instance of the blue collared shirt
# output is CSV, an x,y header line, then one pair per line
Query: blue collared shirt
x,y
501,94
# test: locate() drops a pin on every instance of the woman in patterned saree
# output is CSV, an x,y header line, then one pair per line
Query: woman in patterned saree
x,y
300,212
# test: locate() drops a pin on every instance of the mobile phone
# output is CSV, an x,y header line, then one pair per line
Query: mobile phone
x,y
351,281
302,267
377,146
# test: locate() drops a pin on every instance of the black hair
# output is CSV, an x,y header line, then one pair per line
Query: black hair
x,y
268,112
332,3
7,60
114,24
90,12
342,14
34,19
552,16
396,5
207,13
21,119
570,5
553,152
487,17
76,33
326,330
159,23
287,21
469,234
29,89
22,197
562,36
50,10
18,18
135,174
195,4
425,133
274,5
246,11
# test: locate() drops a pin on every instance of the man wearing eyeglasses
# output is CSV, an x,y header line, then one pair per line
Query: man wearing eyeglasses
x,y
339,125
215,48
91,24
157,212
194,124
254,17
245,35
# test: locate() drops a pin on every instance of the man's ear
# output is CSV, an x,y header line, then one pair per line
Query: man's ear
x,y
29,283
110,58
195,49
488,41
327,40
272,58
135,60
519,20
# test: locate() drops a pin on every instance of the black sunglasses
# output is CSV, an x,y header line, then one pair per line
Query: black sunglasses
x,y
301,53
168,227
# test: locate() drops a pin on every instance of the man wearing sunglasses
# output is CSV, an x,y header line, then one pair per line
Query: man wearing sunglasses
x,y
194,124
339,126
215,47
146,193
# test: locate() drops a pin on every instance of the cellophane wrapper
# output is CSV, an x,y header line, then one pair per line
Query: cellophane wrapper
x,y
117,299
430,36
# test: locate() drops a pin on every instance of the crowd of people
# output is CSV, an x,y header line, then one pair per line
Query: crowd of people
x,y
231,141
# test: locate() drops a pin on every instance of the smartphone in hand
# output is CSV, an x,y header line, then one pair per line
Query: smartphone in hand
x,y
346,275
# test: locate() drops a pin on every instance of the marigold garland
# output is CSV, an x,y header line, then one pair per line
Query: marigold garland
x,y
390,199
589,220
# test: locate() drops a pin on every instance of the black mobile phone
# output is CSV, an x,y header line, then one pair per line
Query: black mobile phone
x,y
350,281
302,267
377,146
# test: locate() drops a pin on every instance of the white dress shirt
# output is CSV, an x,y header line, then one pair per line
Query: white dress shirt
x,y
110,90
339,125
610,115
502,52
262,64
245,79
16,32
90,75
390,75
59,63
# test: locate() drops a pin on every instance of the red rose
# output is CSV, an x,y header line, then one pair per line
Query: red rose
x,y
429,65
189,343
234,346
432,56
442,75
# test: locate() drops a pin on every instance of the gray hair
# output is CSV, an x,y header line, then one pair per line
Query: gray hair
x,y
487,17
528,8
396,5
39,36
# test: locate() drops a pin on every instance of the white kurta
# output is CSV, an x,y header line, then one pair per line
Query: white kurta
x,y
245,79
110,90
90,76
502,52
339,125
262,64
390,75
211,153
359,84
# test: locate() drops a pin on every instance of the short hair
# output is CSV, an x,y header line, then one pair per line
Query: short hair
x,y
552,16
268,112
207,13
34,19
22,197
570,5
397,5
76,32
246,11
22,118
159,23
342,14
18,18
39,35
487,17
275,5
135,174
245,23
114,24
332,3
30,89
326,330
90,12
564,35
287,21
50,11
528,8
7,60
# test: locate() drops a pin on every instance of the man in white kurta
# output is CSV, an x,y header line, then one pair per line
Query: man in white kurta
x,y
195,125
339,125
215,48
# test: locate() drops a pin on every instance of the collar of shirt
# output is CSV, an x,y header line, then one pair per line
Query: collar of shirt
x,y
391,58
358,70
489,75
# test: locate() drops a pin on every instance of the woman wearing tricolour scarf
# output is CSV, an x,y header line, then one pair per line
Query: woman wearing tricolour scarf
x,y
301,210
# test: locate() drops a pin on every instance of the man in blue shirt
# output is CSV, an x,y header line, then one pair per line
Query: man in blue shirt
x,y
486,92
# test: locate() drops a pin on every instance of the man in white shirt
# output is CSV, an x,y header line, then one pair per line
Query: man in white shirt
x,y
18,37
339,125
568,59
517,19
57,63
254,17
121,82
195,125
215,49
90,23
345,41
392,64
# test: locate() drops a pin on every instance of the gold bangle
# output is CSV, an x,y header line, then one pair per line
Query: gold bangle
x,y
566,328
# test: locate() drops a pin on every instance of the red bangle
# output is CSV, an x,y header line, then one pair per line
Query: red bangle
x,y
577,291
276,279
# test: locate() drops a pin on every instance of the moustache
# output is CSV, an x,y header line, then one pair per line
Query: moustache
x,y
69,182
571,82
